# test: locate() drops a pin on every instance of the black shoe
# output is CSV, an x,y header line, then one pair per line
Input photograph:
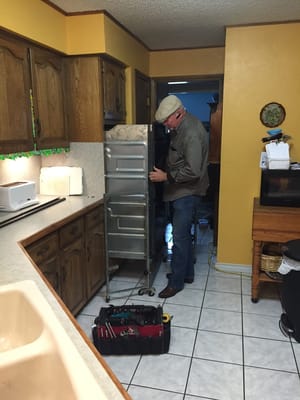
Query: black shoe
x,y
186,280
168,292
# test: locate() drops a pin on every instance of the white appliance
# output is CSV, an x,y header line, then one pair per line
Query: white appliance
x,y
17,195
278,155
61,181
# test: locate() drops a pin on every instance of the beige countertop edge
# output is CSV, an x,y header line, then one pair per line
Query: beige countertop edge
x,y
15,265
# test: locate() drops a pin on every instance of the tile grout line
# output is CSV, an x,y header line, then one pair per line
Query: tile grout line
x,y
195,340
243,301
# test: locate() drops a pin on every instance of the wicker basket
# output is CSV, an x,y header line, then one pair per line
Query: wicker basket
x,y
270,263
271,257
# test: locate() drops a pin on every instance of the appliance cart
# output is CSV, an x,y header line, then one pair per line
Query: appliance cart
x,y
128,201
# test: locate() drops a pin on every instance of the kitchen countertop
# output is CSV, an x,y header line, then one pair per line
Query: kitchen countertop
x,y
15,266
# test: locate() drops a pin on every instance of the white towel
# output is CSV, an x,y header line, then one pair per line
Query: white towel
x,y
287,265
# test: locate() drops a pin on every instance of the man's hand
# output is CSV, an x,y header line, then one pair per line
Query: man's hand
x,y
157,175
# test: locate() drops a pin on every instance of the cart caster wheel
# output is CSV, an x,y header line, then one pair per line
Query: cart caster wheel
x,y
141,292
254,300
151,292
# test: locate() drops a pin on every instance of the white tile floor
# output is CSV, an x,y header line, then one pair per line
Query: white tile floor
x,y
223,347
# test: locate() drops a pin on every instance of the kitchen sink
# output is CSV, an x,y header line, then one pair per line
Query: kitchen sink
x,y
38,360
39,376
20,324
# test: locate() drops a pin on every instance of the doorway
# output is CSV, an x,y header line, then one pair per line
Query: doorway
x,y
203,98
142,98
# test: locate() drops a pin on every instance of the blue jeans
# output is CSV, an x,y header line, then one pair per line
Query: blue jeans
x,y
182,263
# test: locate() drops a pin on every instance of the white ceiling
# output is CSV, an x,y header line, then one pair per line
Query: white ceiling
x,y
177,24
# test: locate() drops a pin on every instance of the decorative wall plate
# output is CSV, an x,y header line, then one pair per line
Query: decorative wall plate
x,y
272,114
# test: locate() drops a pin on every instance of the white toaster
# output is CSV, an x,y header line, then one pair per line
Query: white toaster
x,y
17,195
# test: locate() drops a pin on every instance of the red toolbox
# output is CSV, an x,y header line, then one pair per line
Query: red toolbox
x,y
132,329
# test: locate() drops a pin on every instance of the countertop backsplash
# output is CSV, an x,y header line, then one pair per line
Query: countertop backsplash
x,y
89,156
20,169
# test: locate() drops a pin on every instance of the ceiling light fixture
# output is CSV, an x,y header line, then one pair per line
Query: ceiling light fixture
x,y
177,83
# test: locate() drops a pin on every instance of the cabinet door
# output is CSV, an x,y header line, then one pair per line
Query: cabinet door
x,y
113,92
73,282
73,291
45,254
85,99
15,111
95,255
49,99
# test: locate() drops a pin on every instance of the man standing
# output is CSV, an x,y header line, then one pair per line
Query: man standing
x,y
185,181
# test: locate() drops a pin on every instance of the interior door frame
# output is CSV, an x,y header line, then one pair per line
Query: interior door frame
x,y
142,114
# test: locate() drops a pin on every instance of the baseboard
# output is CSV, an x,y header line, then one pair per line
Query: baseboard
x,y
234,268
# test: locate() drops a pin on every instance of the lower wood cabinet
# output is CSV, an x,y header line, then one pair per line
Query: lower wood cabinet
x,y
72,264
95,251
71,258
45,254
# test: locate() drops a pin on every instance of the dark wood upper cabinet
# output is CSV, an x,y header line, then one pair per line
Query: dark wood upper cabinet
x,y
48,99
96,96
31,87
114,103
85,98
15,110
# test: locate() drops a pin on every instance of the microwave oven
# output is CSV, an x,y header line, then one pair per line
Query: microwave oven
x,y
280,187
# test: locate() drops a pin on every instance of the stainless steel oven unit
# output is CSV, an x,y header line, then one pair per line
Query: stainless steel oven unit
x,y
126,226
128,200
127,236
128,161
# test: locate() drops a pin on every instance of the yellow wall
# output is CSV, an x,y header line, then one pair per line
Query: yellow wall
x,y
262,65
35,20
124,47
85,34
192,62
